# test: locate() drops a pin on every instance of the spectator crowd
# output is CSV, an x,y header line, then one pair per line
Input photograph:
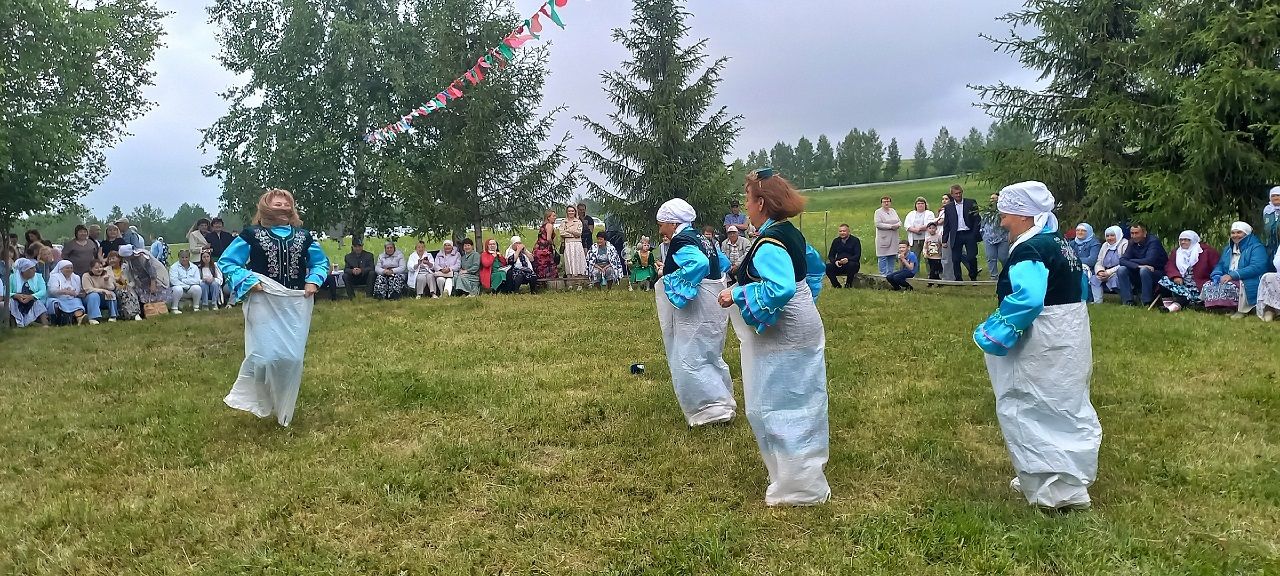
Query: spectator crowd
x,y
109,273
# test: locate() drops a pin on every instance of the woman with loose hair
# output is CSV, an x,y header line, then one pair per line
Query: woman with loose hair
x,y
544,251
196,240
575,256
275,267
783,343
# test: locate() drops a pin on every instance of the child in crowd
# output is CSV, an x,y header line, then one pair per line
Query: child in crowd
x,y
933,251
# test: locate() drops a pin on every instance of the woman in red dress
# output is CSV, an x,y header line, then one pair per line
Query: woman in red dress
x,y
489,259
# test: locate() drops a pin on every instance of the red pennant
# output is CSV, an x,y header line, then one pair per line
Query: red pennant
x,y
561,3
534,25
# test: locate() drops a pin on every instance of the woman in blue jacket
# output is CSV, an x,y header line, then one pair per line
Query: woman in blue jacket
x,y
1244,261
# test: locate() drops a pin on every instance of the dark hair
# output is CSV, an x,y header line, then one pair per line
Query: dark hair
x,y
933,224
1138,225
600,234
468,242
957,188
80,227
842,225
217,221
33,232
204,221
883,198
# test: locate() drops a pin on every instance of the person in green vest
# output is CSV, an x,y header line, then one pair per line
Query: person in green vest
x,y
1040,357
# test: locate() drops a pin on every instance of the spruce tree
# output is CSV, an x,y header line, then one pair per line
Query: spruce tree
x,y
920,164
824,162
667,139
804,163
972,152
847,158
783,159
893,162
945,153
871,156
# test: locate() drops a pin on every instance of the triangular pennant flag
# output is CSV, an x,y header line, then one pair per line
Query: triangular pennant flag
x,y
507,52
550,10
423,110
534,25
483,62
454,92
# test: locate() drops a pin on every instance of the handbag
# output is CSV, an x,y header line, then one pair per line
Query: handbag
x,y
154,309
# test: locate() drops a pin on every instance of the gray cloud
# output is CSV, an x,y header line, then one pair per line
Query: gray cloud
x,y
803,67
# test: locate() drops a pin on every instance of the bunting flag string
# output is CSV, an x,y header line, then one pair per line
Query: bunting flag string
x,y
497,58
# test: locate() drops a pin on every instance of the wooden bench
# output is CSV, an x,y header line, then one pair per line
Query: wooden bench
x,y
877,281
566,283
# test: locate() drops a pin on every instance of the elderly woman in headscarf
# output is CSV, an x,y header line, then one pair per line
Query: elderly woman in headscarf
x,y
65,290
126,294
1190,268
392,274
1040,358
1086,246
1269,292
27,292
605,265
276,267
466,280
693,325
146,275
521,269
448,259
783,344
643,268
1271,224
1109,253
1243,262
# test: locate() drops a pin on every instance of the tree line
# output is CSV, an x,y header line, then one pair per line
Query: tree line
x,y
862,157
59,227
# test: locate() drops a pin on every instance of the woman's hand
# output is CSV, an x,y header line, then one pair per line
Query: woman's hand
x,y
256,287
1225,278
1177,281
726,298
310,289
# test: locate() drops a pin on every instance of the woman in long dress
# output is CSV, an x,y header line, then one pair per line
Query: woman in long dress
x,y
1040,356
276,268
65,290
544,250
130,306
575,256
693,326
783,344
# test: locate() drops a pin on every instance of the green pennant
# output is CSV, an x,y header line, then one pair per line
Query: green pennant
x,y
507,52
528,25
555,16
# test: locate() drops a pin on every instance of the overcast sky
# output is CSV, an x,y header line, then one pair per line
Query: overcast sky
x,y
802,67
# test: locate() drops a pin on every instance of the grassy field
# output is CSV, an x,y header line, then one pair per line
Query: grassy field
x,y
504,435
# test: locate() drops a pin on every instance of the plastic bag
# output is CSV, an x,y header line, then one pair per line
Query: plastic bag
x,y
694,341
1042,404
276,323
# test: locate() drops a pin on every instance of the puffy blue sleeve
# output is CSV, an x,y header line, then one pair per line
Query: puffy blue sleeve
x,y
318,265
1000,333
681,286
761,302
233,265
817,271
725,265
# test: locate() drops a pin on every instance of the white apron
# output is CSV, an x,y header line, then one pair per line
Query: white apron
x,y
276,323
694,340
784,379
1042,403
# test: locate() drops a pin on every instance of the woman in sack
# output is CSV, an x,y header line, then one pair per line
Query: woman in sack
x,y
275,267
1040,356
693,326
783,344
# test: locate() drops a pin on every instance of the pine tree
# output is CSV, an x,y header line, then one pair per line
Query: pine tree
x,y
824,162
893,162
804,163
920,165
871,156
945,153
664,144
783,159
973,152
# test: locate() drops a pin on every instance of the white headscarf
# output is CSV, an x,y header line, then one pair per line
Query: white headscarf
x,y
126,250
1243,227
1032,199
1187,257
24,264
677,211
1112,231
57,268
1271,208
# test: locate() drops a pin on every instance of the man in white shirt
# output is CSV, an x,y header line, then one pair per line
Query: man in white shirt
x,y
184,282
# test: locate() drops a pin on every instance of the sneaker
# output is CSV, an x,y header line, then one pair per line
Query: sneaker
x,y
418,297
196,309
175,311
112,319
137,317
1269,316
93,322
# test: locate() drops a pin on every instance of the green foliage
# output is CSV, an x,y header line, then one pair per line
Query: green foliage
x,y
893,161
804,159
920,166
973,151
945,154
1162,111
859,157
151,222
824,163
667,139
71,78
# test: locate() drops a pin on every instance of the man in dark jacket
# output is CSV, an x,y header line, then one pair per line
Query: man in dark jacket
x,y
1142,263
844,257
960,231
218,238
357,269
588,228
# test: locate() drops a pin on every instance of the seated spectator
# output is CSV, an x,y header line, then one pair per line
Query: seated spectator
x,y
126,296
422,271
1141,264
148,277
391,274
184,282
219,239
1109,252
357,269
159,249
27,292
1086,246
844,258
605,266
1269,292
709,232
65,291
210,281
6,270
46,259
735,248
492,263
448,259
466,279
1243,262
907,264
933,251
99,291
1190,268
197,240
644,269
520,269
113,242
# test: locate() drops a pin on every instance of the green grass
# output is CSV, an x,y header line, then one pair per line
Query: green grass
x,y
504,435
